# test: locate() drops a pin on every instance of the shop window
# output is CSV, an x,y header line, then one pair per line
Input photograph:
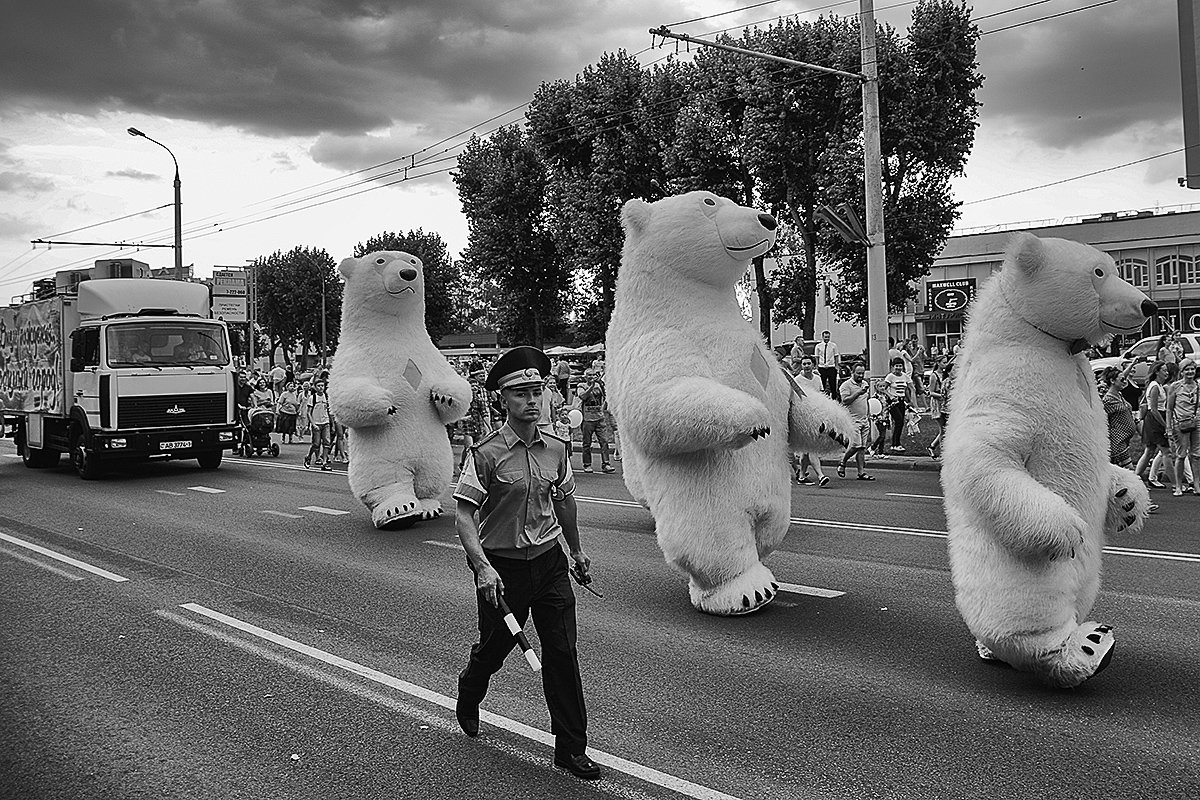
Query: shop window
x,y
1134,270
1189,269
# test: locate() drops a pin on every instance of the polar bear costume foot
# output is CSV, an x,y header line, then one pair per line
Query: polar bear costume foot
x,y
397,511
431,508
743,594
1086,652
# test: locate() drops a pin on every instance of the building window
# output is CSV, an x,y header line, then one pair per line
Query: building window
x,y
1133,270
1189,269
1166,270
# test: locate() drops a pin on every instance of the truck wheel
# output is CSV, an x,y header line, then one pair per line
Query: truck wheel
x,y
210,460
85,463
33,457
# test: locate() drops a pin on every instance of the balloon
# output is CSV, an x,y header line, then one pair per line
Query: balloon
x,y
575,417
874,406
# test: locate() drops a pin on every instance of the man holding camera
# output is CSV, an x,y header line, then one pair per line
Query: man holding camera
x,y
593,403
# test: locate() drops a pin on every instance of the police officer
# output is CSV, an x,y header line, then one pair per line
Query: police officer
x,y
519,482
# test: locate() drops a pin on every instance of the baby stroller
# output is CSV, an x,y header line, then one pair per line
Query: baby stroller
x,y
256,433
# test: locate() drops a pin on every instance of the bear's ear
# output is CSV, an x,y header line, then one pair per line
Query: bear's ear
x,y
635,215
1026,252
347,266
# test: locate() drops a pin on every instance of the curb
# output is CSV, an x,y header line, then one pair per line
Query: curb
x,y
894,462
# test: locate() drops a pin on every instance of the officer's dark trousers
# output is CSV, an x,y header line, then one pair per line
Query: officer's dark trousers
x,y
542,586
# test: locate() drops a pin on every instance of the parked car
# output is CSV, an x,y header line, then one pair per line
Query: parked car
x,y
1148,350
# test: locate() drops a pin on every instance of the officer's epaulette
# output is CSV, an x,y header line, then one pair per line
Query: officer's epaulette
x,y
556,437
485,440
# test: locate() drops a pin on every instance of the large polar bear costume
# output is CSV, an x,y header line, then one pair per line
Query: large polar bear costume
x,y
394,390
705,411
1029,491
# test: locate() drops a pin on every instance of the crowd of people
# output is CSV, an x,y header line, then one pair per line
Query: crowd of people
x,y
300,404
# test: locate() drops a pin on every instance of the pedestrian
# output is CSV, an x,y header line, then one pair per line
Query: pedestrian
x,y
562,375
1175,345
1121,427
899,390
808,381
477,423
593,402
1165,352
278,375
855,394
1183,409
797,349
826,353
516,496
1154,424
288,409
916,353
940,381
302,422
319,420
550,405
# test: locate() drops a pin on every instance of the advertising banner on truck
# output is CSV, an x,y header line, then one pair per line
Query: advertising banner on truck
x,y
30,357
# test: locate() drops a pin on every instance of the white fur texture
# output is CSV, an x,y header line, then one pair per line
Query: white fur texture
x,y
1029,491
401,461
691,383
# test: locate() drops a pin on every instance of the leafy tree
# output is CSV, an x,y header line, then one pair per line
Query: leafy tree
x,y
602,137
444,290
928,115
289,287
521,282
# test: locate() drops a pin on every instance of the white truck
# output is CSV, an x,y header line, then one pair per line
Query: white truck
x,y
110,369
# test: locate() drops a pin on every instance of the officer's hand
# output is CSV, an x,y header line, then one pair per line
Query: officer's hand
x,y
583,564
487,582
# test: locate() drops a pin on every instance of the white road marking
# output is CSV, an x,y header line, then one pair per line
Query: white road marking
x,y
173,494
333,512
12,455
292,467
206,489
451,545
48,567
1132,552
631,768
814,591
103,573
283,514
921,496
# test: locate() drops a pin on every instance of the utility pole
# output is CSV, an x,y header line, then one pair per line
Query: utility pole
x,y
251,307
877,307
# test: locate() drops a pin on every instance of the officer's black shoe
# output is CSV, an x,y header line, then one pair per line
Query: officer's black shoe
x,y
579,765
468,716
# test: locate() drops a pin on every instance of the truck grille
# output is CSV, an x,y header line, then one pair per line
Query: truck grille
x,y
170,411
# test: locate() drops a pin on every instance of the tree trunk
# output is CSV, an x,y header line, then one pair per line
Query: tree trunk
x,y
766,299
807,289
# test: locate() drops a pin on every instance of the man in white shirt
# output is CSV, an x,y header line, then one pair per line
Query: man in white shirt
x,y
808,381
826,353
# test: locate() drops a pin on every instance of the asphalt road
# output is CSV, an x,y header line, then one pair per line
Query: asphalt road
x,y
245,633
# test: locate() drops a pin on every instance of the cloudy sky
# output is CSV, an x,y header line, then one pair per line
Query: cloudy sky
x,y
274,109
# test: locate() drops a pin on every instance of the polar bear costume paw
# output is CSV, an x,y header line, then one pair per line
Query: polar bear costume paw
x,y
431,508
1087,652
1128,504
397,512
743,594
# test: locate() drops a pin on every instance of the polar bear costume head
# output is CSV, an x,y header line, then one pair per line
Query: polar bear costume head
x,y
717,236
1070,290
388,282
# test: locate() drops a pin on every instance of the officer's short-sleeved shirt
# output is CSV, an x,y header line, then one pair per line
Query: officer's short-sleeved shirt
x,y
514,486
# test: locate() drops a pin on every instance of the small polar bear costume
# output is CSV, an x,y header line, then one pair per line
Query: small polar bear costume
x,y
705,411
1029,491
394,390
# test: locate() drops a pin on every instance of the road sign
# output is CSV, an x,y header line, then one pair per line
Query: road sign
x,y
229,291
230,309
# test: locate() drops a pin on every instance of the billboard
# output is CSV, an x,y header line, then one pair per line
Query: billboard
x,y
947,299
230,309
30,357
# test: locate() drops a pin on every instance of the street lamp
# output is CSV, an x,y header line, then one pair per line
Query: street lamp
x,y
178,205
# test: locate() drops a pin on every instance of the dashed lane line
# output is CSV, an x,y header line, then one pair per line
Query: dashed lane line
x,y
283,514
173,494
812,591
451,545
103,573
631,768
1131,552
41,564
333,512
206,490
919,496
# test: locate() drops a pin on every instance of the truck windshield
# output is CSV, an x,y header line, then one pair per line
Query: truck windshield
x,y
166,344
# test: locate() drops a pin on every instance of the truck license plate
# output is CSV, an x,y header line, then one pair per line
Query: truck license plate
x,y
175,445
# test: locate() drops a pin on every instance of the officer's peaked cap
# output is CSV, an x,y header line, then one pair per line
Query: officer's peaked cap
x,y
520,366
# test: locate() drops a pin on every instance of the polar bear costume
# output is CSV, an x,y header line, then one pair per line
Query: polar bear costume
x,y
1029,491
705,411
394,390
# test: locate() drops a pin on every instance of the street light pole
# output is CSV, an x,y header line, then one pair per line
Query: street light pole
x,y
323,348
178,204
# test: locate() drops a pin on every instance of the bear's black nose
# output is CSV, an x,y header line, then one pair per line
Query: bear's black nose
x,y
1149,308
767,221
408,274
